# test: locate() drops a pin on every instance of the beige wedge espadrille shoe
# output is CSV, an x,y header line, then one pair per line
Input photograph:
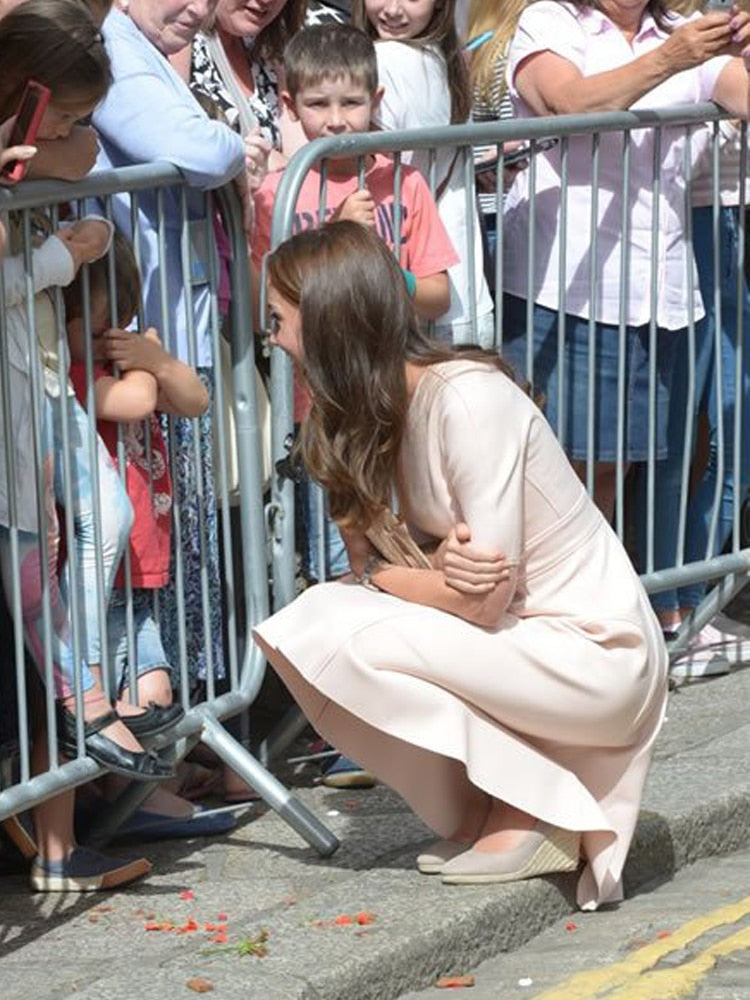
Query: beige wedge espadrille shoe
x,y
544,849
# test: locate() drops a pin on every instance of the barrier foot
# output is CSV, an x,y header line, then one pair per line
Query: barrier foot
x,y
282,735
270,789
112,815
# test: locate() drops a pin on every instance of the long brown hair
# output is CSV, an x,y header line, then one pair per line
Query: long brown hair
x,y
359,328
57,43
440,33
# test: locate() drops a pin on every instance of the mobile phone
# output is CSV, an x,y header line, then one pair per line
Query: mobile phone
x,y
524,152
31,108
515,156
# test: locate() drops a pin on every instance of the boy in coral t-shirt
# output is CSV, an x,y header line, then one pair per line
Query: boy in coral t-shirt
x,y
331,75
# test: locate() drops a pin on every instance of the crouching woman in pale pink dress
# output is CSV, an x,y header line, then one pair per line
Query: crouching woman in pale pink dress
x,y
511,693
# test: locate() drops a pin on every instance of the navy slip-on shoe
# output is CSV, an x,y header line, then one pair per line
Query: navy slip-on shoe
x,y
145,825
85,870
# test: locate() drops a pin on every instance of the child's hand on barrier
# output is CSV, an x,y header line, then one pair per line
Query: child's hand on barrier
x,y
86,240
467,569
129,350
257,151
358,207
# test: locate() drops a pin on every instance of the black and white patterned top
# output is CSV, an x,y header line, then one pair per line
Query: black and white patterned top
x,y
264,102
495,105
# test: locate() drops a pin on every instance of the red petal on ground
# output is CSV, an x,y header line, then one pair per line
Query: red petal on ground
x,y
571,926
187,894
198,985
664,934
454,982
365,918
219,938
343,920
222,916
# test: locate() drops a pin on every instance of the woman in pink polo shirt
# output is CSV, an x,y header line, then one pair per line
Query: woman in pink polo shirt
x,y
578,57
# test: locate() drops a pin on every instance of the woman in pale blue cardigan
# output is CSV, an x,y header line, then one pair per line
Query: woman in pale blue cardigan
x,y
148,116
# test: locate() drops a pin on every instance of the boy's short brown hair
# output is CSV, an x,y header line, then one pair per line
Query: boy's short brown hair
x,y
127,284
329,52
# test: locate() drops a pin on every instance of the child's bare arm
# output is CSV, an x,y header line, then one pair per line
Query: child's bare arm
x,y
131,397
180,390
433,295
66,159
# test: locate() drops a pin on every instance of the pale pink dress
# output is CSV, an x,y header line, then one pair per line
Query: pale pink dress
x,y
556,709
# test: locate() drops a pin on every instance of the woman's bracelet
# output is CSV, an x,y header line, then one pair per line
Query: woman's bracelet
x,y
373,564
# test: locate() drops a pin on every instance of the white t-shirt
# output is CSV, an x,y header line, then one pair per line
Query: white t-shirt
x,y
594,44
417,96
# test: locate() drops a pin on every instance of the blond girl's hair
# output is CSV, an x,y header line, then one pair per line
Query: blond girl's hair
x,y
502,18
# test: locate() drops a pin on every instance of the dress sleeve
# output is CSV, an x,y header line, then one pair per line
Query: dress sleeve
x,y
483,445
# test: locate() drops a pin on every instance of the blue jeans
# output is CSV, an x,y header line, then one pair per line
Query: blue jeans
x,y
115,520
32,577
715,394
148,647
547,380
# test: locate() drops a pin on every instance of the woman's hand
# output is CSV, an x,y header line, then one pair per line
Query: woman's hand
x,y
466,569
740,25
695,42
257,151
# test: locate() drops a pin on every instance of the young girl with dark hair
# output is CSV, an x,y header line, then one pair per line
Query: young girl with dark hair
x,y
57,43
514,719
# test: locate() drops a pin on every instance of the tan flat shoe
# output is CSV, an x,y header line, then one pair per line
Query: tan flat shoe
x,y
544,849
433,860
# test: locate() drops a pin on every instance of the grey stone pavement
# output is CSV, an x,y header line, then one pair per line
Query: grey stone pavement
x,y
649,945
262,880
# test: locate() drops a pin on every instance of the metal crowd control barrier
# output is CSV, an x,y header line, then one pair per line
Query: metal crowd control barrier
x,y
243,553
732,567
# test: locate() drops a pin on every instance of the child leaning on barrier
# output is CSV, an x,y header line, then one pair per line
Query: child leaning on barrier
x,y
56,43
332,90
150,379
